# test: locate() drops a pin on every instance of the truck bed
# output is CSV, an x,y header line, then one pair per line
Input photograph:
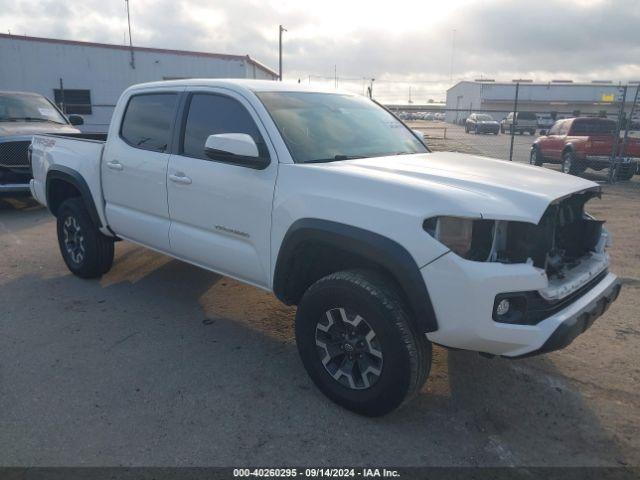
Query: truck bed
x,y
67,155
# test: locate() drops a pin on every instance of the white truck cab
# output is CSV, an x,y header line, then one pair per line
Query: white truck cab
x,y
329,201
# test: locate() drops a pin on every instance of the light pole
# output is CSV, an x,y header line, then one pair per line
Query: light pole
x,y
282,29
371,88
133,61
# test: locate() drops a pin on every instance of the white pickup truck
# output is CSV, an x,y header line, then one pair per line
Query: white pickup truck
x,y
333,204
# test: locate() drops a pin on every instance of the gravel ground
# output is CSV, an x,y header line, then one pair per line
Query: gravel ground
x,y
162,364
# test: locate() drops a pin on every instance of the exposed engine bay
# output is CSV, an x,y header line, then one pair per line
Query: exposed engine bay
x,y
564,236
567,242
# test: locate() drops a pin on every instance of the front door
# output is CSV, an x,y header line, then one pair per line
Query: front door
x,y
134,170
221,213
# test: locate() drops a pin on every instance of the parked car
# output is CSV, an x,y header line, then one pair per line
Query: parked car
x,y
23,114
545,120
585,142
520,123
328,201
481,123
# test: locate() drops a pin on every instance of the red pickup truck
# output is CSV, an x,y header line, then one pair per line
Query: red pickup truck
x,y
585,142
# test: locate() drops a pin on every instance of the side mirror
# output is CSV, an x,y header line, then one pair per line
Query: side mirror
x,y
235,148
76,120
543,132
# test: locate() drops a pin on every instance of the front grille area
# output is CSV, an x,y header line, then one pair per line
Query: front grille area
x,y
532,308
14,154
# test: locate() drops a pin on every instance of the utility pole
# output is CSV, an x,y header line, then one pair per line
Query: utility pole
x,y
133,60
515,122
371,88
282,29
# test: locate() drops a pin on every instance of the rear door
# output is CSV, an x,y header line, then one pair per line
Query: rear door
x,y
221,212
134,169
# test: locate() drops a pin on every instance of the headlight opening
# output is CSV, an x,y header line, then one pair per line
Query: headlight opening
x,y
470,238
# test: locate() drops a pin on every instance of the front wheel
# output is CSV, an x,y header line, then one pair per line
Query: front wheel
x,y
85,250
535,157
358,343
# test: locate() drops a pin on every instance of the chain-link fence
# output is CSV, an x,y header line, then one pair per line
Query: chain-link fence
x,y
600,138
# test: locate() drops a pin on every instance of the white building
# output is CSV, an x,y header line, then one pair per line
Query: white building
x,y
93,75
558,98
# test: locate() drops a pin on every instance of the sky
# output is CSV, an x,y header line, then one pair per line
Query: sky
x,y
417,48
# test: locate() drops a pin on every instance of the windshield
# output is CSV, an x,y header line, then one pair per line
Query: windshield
x,y
323,127
484,118
593,127
18,107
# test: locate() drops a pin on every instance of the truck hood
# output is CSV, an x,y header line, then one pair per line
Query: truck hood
x,y
33,128
470,185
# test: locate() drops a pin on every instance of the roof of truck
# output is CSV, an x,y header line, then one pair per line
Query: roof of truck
x,y
240,84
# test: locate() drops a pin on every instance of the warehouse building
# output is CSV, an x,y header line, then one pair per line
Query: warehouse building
x,y
87,78
559,98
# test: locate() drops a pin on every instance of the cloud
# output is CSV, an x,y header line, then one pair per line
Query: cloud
x,y
401,44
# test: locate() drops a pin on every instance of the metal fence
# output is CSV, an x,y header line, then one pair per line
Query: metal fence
x,y
509,132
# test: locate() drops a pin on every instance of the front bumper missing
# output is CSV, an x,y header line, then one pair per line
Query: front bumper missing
x,y
463,292
578,322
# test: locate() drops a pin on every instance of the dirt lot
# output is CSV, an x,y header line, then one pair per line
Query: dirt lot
x,y
160,363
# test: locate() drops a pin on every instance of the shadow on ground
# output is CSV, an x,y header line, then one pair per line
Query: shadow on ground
x,y
161,363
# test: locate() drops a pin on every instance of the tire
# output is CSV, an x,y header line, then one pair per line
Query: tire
x,y
398,358
532,132
570,165
86,252
535,157
625,172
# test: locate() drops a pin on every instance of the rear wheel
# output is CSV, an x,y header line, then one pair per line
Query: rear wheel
x,y
358,343
85,250
625,172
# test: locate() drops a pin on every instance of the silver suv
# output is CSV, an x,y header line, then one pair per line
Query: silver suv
x,y
524,122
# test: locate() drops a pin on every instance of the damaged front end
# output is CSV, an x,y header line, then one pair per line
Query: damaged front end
x,y
567,243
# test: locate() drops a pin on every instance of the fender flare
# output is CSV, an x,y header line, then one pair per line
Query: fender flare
x,y
381,250
66,174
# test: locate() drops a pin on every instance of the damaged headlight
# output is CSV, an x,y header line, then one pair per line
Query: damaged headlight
x,y
469,238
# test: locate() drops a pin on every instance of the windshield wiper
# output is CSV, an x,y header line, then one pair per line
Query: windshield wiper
x,y
336,158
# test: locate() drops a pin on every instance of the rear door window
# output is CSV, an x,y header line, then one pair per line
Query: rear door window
x,y
148,120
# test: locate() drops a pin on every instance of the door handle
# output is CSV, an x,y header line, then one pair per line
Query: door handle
x,y
114,165
180,178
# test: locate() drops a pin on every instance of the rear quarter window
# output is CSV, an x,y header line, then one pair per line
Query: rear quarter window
x,y
148,120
